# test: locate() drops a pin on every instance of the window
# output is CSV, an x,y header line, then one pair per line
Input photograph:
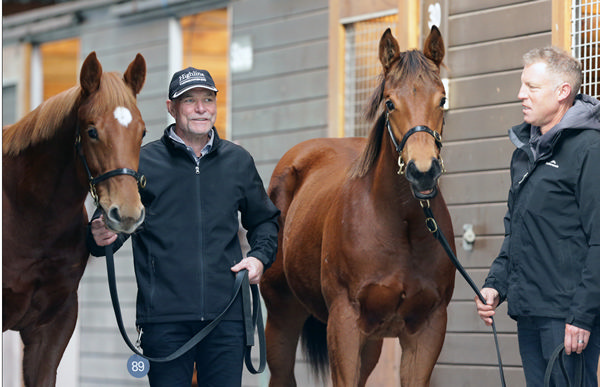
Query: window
x,y
60,66
205,41
585,38
361,69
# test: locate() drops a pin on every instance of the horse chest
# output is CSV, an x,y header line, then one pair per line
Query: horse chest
x,y
388,306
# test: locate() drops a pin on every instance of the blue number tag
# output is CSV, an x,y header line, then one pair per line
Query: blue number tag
x,y
138,366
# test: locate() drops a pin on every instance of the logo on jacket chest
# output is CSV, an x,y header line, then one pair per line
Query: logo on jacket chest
x,y
552,163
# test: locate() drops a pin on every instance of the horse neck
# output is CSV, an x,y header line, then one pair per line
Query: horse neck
x,y
49,171
387,184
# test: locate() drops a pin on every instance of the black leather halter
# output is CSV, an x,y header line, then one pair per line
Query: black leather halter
x,y
141,179
411,131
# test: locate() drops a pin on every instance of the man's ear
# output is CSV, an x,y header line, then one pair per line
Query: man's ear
x,y
564,92
171,108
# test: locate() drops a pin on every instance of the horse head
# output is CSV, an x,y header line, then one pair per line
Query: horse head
x,y
110,132
414,96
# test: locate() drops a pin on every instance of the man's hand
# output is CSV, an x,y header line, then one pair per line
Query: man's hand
x,y
576,339
254,266
488,310
102,235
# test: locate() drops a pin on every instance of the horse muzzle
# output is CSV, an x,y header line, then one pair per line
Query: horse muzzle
x,y
117,221
424,185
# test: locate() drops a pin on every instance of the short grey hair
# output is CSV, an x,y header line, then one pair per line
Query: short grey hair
x,y
560,63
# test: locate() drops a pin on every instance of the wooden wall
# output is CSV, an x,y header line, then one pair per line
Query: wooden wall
x,y
485,42
282,100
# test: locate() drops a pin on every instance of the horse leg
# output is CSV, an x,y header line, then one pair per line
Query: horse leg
x,y
369,356
420,350
14,306
44,345
346,343
285,318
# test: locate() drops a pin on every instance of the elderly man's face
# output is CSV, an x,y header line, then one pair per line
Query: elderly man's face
x,y
195,112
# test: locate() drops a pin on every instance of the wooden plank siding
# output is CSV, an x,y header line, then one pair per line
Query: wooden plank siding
x,y
485,43
282,100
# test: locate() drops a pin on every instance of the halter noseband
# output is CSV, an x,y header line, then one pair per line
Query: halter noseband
x,y
141,179
411,131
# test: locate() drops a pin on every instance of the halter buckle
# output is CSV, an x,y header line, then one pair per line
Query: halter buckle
x,y
94,193
402,168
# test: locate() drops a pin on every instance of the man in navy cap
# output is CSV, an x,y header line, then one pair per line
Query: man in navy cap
x,y
187,251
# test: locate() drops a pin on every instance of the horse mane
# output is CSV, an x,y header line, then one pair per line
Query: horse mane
x,y
52,115
410,65
41,123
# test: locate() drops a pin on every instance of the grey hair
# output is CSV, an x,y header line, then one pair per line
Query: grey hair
x,y
562,65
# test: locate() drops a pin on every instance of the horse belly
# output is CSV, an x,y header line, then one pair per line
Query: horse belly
x,y
304,185
302,251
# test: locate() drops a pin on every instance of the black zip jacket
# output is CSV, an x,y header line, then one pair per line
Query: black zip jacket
x,y
549,263
188,242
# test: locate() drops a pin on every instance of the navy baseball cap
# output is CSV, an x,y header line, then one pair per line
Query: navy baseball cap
x,y
188,79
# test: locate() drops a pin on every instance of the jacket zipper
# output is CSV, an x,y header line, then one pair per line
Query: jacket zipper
x,y
201,242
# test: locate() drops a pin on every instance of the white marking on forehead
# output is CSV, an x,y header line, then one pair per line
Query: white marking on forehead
x,y
123,115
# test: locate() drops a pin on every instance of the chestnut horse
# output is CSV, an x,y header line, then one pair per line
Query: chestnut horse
x,y
356,262
49,159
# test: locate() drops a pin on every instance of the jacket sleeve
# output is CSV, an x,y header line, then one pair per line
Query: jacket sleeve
x,y
99,251
499,271
497,277
260,217
585,308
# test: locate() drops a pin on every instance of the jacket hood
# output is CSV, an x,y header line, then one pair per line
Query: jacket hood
x,y
584,114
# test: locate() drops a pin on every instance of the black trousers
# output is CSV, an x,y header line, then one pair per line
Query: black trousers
x,y
538,337
219,357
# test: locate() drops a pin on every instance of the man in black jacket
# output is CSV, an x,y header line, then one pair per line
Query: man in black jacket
x,y
548,268
187,250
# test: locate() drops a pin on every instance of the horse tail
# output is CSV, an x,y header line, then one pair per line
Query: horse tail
x,y
314,347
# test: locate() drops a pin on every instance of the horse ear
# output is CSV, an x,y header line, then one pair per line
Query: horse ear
x,y
389,49
135,75
91,72
434,46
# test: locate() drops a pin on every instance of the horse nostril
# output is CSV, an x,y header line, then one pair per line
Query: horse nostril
x,y
114,215
436,168
423,180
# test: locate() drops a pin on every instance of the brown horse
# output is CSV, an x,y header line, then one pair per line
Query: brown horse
x,y
355,256
49,159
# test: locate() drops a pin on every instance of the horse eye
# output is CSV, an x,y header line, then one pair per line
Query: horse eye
x,y
92,132
144,133
442,102
389,105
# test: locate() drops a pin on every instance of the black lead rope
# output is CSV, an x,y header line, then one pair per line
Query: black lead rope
x,y
252,318
432,226
558,355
